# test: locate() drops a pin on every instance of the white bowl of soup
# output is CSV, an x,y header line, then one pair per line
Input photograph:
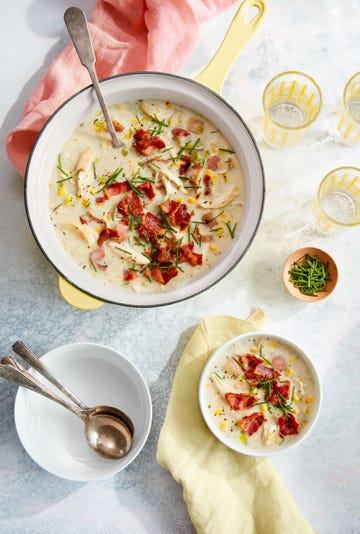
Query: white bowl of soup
x,y
260,394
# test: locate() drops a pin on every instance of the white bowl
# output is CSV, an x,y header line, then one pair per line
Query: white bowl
x,y
236,444
54,437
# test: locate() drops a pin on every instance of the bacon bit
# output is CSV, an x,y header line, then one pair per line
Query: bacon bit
x,y
240,401
157,275
178,133
283,390
186,254
177,213
129,275
251,423
195,125
212,162
120,232
208,219
146,144
193,173
163,275
118,127
116,189
97,256
104,235
82,220
207,184
130,204
170,273
262,371
147,189
168,207
288,425
255,370
151,226
136,205
166,253
94,218
250,362
100,200
184,165
123,207
182,217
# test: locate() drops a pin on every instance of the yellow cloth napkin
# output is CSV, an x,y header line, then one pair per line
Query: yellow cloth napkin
x,y
225,492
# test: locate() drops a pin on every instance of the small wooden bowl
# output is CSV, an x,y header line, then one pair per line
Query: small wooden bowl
x,y
325,258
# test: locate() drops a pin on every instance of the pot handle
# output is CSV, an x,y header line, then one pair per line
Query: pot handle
x,y
238,34
77,298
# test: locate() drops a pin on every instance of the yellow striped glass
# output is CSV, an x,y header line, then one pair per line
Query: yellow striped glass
x,y
292,101
348,121
337,205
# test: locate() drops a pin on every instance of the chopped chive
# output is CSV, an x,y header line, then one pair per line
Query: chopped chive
x,y
93,265
231,230
309,274
123,250
221,149
58,206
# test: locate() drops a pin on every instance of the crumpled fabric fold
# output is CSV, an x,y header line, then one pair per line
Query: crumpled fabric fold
x,y
128,36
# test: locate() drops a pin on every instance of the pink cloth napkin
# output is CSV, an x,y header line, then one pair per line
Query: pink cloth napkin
x,y
128,35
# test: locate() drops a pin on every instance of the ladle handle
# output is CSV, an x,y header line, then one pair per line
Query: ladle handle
x,y
27,355
241,29
76,23
13,372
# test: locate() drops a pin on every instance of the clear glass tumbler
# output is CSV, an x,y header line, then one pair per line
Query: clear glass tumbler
x,y
337,204
348,118
292,100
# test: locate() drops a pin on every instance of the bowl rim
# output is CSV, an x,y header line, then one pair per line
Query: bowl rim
x,y
194,90
245,449
323,255
142,390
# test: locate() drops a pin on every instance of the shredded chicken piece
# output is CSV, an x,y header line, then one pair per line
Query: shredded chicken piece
x,y
268,431
128,253
85,231
84,181
168,177
152,110
220,200
219,384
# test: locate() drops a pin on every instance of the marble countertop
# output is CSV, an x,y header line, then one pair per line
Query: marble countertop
x,y
322,474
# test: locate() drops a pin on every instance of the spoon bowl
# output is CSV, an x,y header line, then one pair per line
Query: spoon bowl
x,y
107,435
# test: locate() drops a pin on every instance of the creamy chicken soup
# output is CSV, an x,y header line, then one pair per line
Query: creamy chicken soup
x,y
260,393
154,213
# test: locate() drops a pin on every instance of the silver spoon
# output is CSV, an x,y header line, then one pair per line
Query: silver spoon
x,y
75,21
27,355
107,435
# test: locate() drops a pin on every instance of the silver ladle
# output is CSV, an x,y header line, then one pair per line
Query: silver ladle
x,y
106,434
75,21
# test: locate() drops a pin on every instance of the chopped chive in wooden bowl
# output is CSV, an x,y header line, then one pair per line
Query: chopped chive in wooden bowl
x,y
309,274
